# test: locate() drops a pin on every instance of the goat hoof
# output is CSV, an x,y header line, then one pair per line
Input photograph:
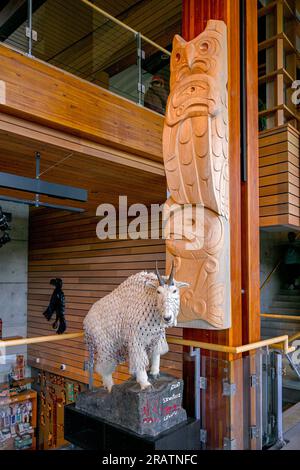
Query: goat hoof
x,y
155,376
146,385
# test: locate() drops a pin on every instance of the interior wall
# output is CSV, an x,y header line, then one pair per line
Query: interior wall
x,y
13,281
65,245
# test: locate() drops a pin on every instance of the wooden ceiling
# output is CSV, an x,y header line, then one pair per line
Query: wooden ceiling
x,y
98,171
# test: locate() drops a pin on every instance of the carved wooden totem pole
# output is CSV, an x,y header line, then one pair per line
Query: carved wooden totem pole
x,y
195,150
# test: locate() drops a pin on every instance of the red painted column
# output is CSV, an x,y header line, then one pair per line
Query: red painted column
x,y
244,216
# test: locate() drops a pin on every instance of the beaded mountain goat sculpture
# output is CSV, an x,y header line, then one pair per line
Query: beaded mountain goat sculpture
x,y
129,325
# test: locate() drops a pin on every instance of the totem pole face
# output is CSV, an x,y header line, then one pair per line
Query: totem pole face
x,y
195,150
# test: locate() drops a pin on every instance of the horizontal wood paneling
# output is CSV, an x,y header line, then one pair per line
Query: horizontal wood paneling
x,y
41,93
279,177
65,245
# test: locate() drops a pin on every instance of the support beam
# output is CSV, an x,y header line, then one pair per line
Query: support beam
x,y
34,185
229,418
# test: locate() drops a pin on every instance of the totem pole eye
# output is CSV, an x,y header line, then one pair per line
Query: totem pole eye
x,y
178,57
204,46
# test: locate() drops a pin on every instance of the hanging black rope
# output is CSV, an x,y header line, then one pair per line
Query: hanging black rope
x,y
57,305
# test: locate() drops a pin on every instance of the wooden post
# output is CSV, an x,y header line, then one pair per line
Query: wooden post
x,y
244,208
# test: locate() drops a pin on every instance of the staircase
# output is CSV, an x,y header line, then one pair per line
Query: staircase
x,y
286,302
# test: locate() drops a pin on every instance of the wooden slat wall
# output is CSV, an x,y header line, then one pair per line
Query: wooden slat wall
x,y
65,245
279,177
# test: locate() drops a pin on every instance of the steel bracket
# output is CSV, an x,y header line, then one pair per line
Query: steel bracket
x,y
33,34
203,436
229,389
229,444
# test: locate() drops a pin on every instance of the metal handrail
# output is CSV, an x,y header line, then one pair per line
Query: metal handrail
x,y
295,336
125,26
280,316
284,339
39,339
266,281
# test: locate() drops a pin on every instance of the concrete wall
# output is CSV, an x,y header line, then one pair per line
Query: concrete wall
x,y
13,280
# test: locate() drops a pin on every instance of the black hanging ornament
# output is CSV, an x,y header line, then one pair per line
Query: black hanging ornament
x,y
57,305
4,238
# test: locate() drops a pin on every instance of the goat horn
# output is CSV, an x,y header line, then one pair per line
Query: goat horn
x,y
171,277
160,279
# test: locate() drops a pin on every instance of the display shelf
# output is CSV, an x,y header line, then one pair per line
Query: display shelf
x,y
14,399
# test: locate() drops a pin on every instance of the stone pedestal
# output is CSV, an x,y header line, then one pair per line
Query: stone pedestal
x,y
145,412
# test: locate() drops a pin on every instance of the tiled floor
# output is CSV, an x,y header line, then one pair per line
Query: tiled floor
x,y
291,427
293,438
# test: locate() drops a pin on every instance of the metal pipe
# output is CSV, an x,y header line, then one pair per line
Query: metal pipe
x,y
234,349
259,395
91,367
139,64
41,204
173,340
30,27
37,175
39,339
37,186
266,281
195,352
278,367
280,317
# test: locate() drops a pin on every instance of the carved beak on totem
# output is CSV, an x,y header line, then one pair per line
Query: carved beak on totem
x,y
190,54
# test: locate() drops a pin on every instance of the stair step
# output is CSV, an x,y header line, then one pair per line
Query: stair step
x,y
291,304
271,327
292,384
287,298
281,324
285,310
293,292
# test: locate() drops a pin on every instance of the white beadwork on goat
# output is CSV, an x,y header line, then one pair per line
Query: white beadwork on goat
x,y
129,324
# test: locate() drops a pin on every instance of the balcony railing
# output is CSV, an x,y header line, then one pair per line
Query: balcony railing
x,y
84,40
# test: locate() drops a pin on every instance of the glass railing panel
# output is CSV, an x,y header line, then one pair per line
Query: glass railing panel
x,y
272,373
155,77
230,393
252,399
14,25
87,42
215,403
88,45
